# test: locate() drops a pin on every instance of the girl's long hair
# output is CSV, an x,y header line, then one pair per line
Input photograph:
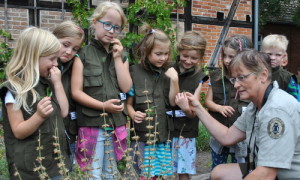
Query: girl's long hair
x,y
22,70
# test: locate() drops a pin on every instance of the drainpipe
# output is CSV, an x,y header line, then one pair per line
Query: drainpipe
x,y
255,13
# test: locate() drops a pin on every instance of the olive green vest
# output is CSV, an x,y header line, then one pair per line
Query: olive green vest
x,y
282,76
99,82
229,96
157,84
188,82
66,72
23,153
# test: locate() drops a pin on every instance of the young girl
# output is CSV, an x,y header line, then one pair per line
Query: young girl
x,y
35,104
100,77
153,88
70,37
223,102
191,50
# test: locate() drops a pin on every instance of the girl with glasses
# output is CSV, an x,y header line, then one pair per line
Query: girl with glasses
x,y
100,77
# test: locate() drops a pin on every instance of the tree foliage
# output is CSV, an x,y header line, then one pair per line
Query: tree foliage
x,y
270,9
154,12
81,12
5,53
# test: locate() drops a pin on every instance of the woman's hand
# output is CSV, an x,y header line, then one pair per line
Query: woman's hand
x,y
182,101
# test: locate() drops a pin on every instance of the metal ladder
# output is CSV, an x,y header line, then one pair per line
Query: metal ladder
x,y
214,57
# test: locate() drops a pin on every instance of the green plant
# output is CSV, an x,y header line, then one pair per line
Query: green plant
x,y
5,53
270,9
203,139
154,12
3,163
81,12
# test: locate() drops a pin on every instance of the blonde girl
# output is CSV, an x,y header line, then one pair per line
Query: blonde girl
x,y
191,49
34,105
100,79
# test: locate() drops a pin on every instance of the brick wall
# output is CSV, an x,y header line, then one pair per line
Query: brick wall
x,y
208,8
17,21
49,19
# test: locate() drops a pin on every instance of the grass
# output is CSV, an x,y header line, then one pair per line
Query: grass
x,y
203,139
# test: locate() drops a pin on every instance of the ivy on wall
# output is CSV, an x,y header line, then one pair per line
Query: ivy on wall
x,y
5,53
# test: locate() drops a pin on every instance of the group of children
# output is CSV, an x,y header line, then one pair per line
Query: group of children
x,y
57,91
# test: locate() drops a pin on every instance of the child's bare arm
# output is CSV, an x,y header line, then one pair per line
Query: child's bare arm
x,y
21,128
81,97
122,68
174,86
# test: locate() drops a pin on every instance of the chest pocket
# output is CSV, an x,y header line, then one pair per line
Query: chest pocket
x,y
92,77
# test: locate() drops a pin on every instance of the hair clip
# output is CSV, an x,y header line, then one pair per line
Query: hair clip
x,y
240,44
80,29
152,31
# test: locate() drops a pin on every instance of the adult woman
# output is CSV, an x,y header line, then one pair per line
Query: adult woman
x,y
270,124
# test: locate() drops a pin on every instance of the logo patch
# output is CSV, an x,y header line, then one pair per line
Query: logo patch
x,y
276,128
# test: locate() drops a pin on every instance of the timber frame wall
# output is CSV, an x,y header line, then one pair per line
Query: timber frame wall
x,y
206,16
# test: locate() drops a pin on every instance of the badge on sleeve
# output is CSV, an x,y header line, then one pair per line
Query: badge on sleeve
x,y
276,128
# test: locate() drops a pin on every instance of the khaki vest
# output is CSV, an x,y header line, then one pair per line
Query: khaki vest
x,y
23,153
188,82
100,82
219,96
157,85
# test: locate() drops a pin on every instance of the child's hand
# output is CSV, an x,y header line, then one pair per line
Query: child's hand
x,y
112,107
182,101
55,75
139,116
44,107
226,111
172,74
117,48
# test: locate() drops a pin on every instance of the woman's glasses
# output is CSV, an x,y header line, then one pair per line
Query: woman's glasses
x,y
240,78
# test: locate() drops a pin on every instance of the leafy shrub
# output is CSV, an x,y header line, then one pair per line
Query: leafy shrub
x,y
203,139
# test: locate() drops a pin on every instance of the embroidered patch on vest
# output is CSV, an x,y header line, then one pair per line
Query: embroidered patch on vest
x,y
276,128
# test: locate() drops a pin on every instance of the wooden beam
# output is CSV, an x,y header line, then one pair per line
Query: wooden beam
x,y
188,16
